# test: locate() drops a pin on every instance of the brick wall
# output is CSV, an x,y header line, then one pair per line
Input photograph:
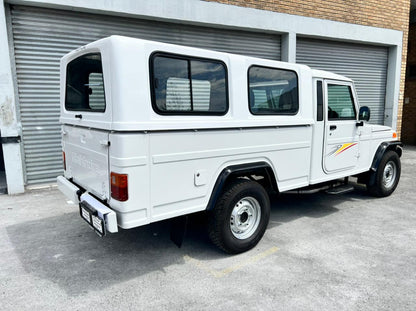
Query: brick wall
x,y
409,109
391,14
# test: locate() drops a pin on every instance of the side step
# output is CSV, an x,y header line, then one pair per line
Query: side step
x,y
340,189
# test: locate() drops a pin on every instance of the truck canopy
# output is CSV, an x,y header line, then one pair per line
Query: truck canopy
x,y
108,84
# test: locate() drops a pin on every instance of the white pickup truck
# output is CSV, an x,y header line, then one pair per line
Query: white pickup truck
x,y
153,131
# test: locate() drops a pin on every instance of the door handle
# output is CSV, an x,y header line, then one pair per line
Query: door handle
x,y
332,127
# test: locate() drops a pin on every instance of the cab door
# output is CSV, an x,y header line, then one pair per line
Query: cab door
x,y
341,137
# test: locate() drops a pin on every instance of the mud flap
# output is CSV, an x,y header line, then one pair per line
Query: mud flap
x,y
178,229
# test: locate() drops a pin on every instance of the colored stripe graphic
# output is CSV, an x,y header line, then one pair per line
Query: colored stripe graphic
x,y
344,147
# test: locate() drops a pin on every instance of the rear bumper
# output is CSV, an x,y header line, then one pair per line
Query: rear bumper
x,y
70,190
76,195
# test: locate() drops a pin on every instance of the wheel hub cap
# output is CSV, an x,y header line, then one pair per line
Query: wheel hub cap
x,y
389,174
245,217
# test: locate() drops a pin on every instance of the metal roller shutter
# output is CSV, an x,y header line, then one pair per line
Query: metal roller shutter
x,y
365,64
42,36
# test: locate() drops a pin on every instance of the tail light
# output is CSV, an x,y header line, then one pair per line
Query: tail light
x,y
64,159
119,186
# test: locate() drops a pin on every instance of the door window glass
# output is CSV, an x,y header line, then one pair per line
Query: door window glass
x,y
319,101
340,103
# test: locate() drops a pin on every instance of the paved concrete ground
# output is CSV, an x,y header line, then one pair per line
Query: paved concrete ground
x,y
320,252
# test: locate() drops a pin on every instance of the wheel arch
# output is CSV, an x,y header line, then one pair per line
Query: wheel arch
x,y
395,146
242,170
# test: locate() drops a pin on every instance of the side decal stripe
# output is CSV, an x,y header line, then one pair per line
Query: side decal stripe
x,y
345,147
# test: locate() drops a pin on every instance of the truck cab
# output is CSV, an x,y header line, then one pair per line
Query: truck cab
x,y
154,131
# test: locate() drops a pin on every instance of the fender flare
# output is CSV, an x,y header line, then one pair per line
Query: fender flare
x,y
396,146
238,169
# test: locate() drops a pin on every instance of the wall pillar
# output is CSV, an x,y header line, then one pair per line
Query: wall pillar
x,y
9,125
288,49
393,87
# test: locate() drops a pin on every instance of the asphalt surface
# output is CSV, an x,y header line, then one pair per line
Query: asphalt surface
x,y
320,252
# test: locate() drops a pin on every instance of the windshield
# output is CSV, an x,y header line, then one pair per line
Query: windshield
x,y
85,84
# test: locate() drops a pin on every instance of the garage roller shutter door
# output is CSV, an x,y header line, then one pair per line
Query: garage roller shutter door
x,y
42,36
365,64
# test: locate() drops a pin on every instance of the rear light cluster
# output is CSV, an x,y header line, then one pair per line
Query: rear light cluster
x,y
119,186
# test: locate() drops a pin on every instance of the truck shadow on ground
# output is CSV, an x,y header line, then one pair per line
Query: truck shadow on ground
x,y
65,251
288,207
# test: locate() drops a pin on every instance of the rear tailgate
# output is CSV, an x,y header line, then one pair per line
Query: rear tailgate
x,y
86,154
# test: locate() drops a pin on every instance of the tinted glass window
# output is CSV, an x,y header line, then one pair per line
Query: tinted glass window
x,y
183,85
171,84
85,84
319,101
340,103
272,91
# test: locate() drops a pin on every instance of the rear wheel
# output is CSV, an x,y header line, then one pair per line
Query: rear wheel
x,y
240,217
387,175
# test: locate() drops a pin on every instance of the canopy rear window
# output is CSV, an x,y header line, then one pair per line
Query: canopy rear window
x,y
85,84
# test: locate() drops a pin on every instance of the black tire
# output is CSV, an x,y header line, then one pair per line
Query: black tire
x,y
386,177
244,197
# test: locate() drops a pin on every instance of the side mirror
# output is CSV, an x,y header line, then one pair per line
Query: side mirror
x,y
364,114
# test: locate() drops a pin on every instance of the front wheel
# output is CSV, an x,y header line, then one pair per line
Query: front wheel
x,y
240,217
386,176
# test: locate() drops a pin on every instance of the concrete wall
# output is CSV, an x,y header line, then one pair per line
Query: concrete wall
x,y
9,124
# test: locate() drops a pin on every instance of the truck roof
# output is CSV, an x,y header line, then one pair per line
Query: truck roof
x,y
328,75
140,42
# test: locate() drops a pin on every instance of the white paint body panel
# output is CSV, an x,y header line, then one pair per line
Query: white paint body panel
x,y
87,158
173,162
344,132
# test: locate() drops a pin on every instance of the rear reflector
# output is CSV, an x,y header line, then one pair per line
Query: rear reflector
x,y
119,186
394,135
64,159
